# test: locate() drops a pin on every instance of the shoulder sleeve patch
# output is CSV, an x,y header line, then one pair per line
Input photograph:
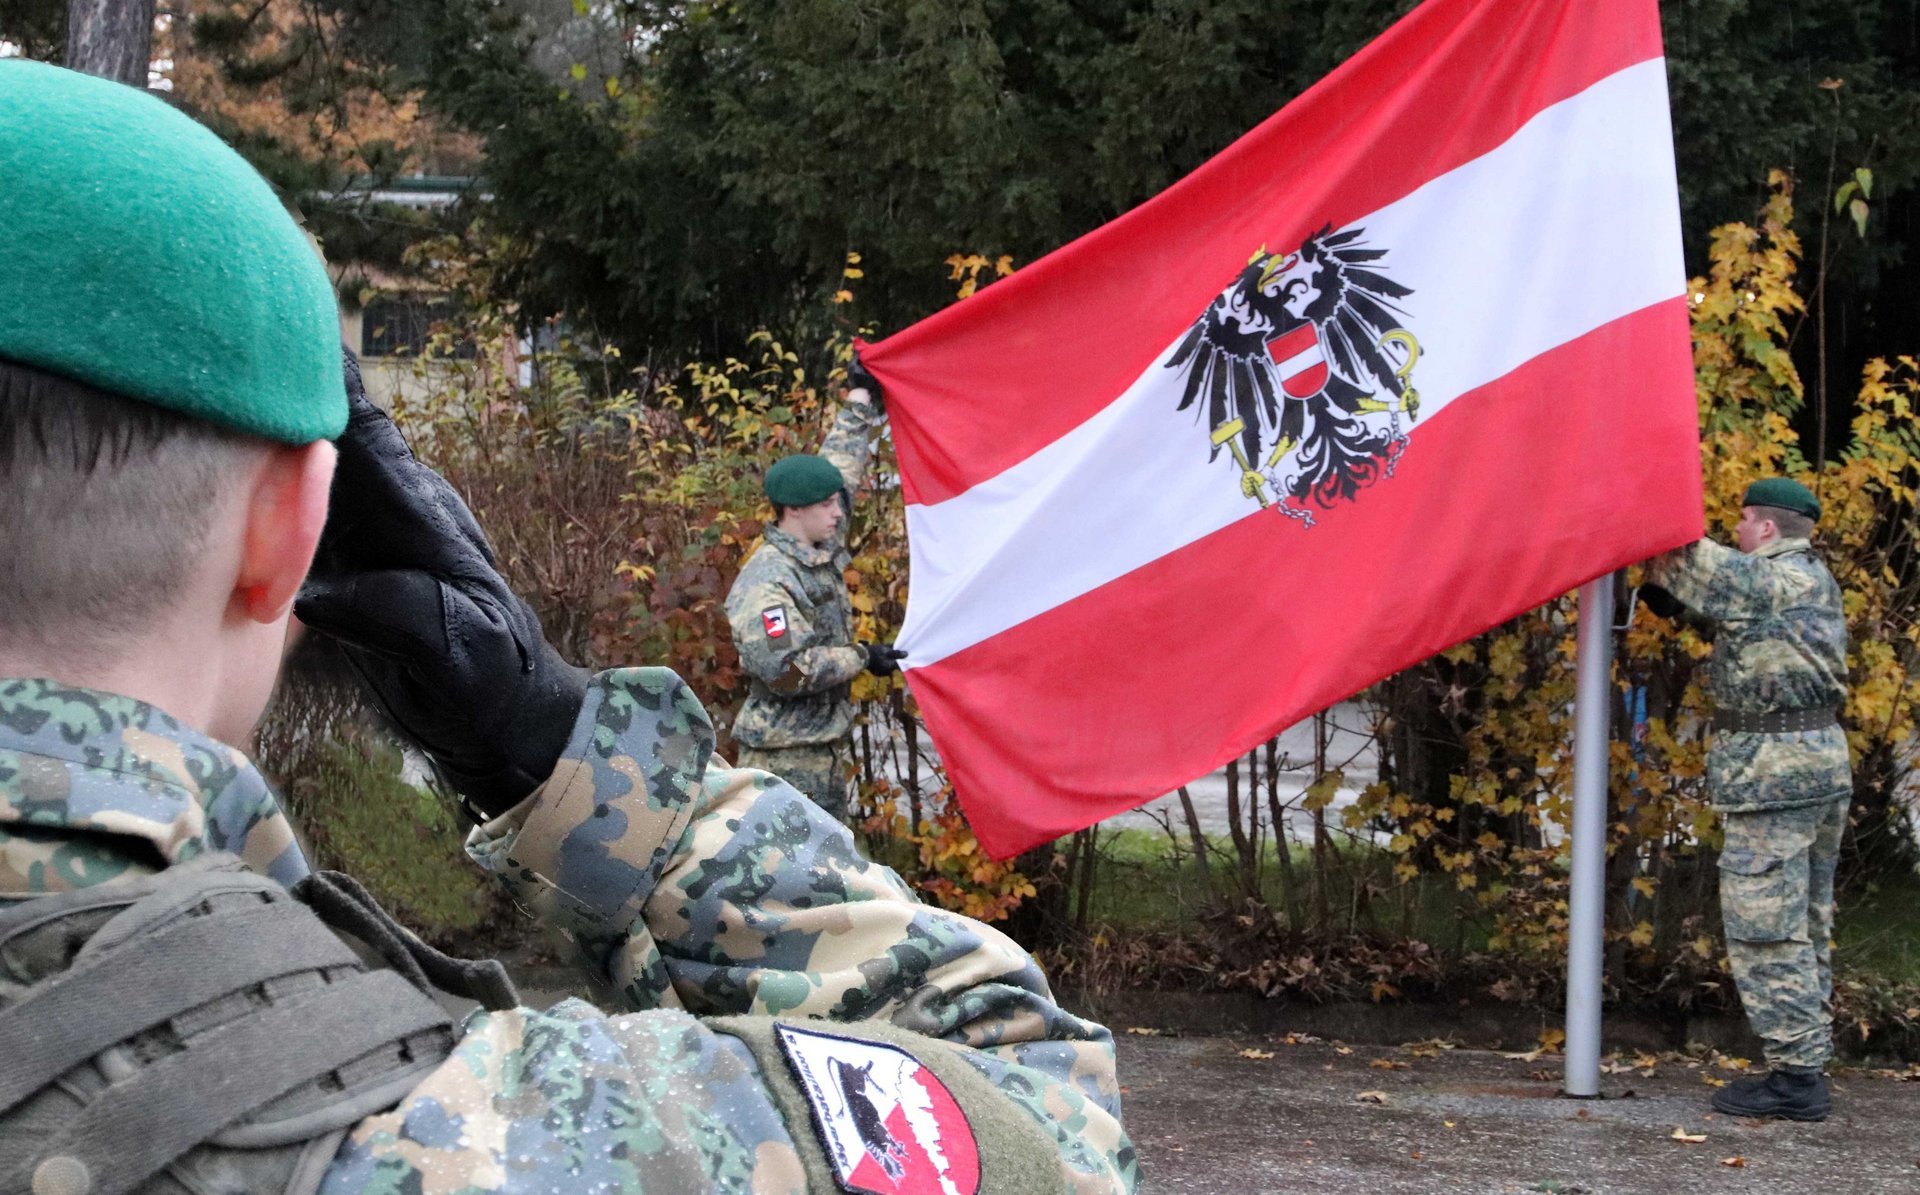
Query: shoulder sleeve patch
x,y
774,619
888,1125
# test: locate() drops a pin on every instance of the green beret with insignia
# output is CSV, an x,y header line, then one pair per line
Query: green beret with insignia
x,y
1783,493
803,480
142,256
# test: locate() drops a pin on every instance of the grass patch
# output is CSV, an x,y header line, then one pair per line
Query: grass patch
x,y
1145,881
404,844
1875,931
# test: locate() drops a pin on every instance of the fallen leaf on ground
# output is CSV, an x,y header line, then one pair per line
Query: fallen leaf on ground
x,y
1737,1162
1680,1134
1252,1053
1389,1064
1380,1097
1529,1056
1427,1049
1141,1031
1710,1081
1343,1051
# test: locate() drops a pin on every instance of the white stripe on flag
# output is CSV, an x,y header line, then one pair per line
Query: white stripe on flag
x,y
1581,198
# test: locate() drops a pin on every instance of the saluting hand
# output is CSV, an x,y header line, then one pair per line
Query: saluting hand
x,y
406,581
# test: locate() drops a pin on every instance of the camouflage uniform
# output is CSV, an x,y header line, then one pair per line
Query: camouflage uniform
x,y
1781,645
712,900
792,621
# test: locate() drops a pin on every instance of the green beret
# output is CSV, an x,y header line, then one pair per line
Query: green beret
x,y
803,480
142,256
1785,494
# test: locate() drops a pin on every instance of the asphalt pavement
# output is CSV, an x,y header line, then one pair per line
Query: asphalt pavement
x,y
1241,1116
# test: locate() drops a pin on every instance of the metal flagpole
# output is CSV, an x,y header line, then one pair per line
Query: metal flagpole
x,y
1592,707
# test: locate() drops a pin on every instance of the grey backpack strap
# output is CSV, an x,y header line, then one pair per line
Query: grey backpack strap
x,y
344,904
138,1126
67,1020
201,1022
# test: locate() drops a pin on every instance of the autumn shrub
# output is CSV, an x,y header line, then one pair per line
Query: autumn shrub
x,y
1502,704
621,501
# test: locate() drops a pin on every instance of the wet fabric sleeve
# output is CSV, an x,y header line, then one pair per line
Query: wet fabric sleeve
x,y
689,884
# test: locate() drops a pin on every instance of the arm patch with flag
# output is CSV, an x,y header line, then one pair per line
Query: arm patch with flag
x,y
774,621
1407,359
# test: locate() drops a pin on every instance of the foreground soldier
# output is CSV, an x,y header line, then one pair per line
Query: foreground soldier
x,y
792,616
1779,775
171,1019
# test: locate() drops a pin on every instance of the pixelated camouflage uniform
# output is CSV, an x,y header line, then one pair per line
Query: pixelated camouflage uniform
x,y
714,901
798,713
1780,646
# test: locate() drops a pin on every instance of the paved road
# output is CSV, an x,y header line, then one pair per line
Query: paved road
x,y
1206,1119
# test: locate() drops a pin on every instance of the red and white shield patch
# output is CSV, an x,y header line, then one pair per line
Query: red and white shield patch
x,y
775,620
888,1125
1300,360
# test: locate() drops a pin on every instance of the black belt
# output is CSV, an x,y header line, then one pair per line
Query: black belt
x,y
1780,722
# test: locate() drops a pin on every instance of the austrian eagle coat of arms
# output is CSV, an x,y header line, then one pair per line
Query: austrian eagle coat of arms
x,y
1303,370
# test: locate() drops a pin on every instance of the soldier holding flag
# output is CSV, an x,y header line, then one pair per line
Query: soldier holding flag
x,y
1780,778
792,615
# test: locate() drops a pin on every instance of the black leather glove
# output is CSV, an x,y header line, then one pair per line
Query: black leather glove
x,y
883,659
1657,599
859,379
406,581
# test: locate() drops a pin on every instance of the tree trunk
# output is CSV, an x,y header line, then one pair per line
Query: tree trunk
x,y
111,38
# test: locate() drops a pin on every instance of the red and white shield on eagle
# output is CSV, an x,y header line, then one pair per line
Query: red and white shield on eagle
x,y
1300,360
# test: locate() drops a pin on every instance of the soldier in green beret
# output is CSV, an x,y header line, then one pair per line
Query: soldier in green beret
x,y
1779,775
185,460
792,616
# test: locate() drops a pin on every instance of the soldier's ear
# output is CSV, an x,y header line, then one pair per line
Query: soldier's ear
x,y
286,509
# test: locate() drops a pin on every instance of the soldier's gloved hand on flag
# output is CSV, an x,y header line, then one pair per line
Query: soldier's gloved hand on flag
x,y
406,581
883,658
1660,601
859,379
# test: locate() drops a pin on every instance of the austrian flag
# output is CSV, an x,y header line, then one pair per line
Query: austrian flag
x,y
1407,359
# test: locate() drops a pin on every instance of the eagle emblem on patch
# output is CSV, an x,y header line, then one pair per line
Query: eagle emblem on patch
x,y
887,1124
774,619
1302,369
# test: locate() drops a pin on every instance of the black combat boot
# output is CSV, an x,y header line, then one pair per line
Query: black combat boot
x,y
1792,1095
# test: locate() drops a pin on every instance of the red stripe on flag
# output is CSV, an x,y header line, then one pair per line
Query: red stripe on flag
x,y
984,384
1576,463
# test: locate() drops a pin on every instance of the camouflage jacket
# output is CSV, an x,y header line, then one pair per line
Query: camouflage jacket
x,y
750,942
1780,644
792,618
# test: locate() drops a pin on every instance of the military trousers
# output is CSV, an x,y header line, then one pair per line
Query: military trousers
x,y
1776,900
823,772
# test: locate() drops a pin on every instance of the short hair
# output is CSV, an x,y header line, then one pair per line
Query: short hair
x,y
104,504
1790,523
